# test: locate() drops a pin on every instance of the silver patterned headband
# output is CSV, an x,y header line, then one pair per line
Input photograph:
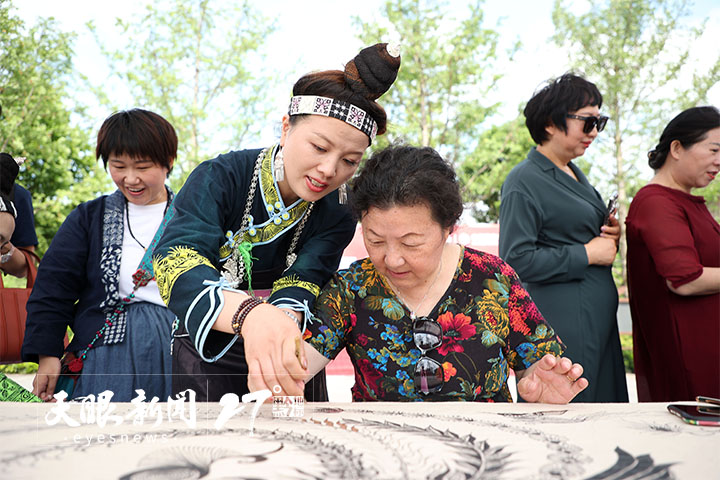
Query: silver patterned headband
x,y
329,107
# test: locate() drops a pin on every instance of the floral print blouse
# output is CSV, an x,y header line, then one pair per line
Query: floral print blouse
x,y
489,323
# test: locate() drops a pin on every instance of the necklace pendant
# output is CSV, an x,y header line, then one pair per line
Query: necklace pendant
x,y
231,270
290,259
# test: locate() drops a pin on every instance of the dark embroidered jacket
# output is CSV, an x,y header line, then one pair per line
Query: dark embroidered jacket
x,y
77,282
201,237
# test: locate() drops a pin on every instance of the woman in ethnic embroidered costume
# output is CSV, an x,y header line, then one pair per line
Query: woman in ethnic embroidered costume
x,y
424,319
96,275
271,220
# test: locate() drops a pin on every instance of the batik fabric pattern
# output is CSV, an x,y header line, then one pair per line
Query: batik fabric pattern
x,y
489,321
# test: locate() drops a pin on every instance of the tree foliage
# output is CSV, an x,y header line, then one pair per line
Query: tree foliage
x,y
446,72
190,62
498,150
638,54
35,75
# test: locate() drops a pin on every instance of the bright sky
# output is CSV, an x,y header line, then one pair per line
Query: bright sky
x,y
318,34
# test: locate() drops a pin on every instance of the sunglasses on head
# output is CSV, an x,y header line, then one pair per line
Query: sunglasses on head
x,y
591,122
429,374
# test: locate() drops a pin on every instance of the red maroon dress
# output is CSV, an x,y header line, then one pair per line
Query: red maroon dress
x,y
671,235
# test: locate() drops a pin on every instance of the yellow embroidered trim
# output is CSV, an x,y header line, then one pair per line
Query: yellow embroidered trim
x,y
269,231
266,233
266,177
226,249
294,281
169,268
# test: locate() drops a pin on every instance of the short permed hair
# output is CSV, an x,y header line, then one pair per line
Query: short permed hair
x,y
566,94
139,134
402,175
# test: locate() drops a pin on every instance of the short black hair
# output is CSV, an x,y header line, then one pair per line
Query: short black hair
x,y
401,175
689,127
568,93
139,134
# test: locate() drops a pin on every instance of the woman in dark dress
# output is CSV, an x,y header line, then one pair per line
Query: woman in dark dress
x,y
674,265
553,234
268,223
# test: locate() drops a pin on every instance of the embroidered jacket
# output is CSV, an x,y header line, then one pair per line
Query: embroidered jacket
x,y
77,281
489,323
199,242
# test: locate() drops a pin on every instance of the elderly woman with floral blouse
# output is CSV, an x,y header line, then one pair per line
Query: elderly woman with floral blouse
x,y
423,319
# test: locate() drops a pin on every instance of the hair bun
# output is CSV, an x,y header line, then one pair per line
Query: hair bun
x,y
373,70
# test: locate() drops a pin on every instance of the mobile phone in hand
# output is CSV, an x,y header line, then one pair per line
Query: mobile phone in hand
x,y
707,417
611,208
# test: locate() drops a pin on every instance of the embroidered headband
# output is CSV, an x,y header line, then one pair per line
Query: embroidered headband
x,y
329,107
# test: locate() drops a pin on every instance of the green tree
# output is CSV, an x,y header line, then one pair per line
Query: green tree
x,y
447,71
498,150
35,74
190,61
637,52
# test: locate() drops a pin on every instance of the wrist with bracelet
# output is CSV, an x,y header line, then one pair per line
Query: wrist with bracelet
x,y
242,312
295,318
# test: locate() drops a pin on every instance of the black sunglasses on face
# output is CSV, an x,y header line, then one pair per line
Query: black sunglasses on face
x,y
591,122
429,374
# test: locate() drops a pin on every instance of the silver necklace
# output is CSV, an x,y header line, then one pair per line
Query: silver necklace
x,y
422,300
291,255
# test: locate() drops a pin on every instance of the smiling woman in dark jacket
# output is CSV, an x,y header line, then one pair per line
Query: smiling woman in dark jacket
x,y
90,266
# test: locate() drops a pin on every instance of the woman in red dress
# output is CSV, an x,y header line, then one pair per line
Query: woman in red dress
x,y
674,265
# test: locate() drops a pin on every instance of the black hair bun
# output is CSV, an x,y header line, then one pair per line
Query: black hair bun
x,y
656,157
373,70
8,173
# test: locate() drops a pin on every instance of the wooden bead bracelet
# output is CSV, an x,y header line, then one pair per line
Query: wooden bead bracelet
x,y
242,312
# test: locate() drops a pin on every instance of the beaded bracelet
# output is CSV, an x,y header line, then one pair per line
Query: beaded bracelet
x,y
242,312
